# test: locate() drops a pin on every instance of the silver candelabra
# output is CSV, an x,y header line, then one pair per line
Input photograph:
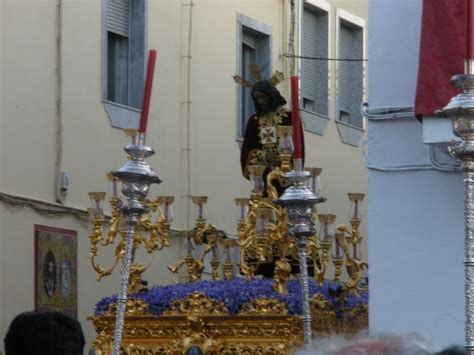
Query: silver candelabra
x,y
461,112
136,176
299,201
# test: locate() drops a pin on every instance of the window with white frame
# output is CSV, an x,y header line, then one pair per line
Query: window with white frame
x,y
253,47
350,73
124,52
314,73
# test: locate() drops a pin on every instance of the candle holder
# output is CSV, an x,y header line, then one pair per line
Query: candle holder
x,y
314,182
263,237
203,236
349,242
338,256
460,110
319,248
136,176
151,233
256,176
299,201
285,151
200,226
228,265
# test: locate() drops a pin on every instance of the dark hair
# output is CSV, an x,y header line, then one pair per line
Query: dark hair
x,y
453,350
44,333
274,96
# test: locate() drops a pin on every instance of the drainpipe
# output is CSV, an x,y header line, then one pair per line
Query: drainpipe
x,y
186,149
59,195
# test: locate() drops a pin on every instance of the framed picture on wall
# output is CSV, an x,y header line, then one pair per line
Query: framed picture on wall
x,y
56,270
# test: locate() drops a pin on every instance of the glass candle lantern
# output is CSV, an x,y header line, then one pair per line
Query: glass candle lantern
x,y
242,208
355,205
166,206
285,141
314,182
95,213
256,176
200,212
337,246
326,230
264,217
187,243
113,184
214,242
96,199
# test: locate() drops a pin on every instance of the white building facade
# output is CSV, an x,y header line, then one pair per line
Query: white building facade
x,y
415,208
70,80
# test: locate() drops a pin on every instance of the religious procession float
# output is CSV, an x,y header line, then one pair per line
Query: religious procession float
x,y
289,276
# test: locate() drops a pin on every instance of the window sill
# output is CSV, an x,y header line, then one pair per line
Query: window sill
x,y
313,122
121,116
350,134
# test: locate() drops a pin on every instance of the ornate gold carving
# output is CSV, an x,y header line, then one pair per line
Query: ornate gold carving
x,y
152,233
264,306
263,329
134,307
197,303
281,274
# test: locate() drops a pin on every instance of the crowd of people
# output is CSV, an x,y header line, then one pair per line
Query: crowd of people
x,y
44,333
54,333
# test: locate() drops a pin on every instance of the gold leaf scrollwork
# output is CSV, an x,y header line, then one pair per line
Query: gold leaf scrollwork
x,y
197,303
264,306
135,307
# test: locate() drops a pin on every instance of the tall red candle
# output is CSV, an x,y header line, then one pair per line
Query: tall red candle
x,y
469,29
295,103
147,91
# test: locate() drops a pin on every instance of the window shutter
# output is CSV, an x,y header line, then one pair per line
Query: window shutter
x,y
249,56
344,73
308,45
356,77
321,66
249,40
118,17
314,73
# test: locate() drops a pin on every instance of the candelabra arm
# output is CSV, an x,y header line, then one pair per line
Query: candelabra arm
x,y
113,231
115,221
102,272
272,176
245,268
281,274
313,253
201,228
175,268
95,236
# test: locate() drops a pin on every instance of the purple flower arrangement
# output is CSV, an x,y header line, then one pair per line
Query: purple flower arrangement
x,y
235,293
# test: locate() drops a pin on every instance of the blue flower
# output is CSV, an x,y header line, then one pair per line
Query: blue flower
x,y
235,293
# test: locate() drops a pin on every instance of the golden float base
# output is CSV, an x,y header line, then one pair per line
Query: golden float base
x,y
263,326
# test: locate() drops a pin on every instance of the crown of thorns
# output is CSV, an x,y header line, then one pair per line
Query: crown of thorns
x,y
275,79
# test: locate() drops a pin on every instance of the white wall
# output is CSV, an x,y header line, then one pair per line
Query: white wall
x,y
91,147
415,213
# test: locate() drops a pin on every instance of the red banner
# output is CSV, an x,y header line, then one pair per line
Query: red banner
x,y
442,53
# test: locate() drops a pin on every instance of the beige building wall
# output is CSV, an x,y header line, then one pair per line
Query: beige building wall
x,y
89,146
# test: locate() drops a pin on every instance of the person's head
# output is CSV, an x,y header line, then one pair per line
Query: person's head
x,y
453,350
44,333
405,344
266,97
